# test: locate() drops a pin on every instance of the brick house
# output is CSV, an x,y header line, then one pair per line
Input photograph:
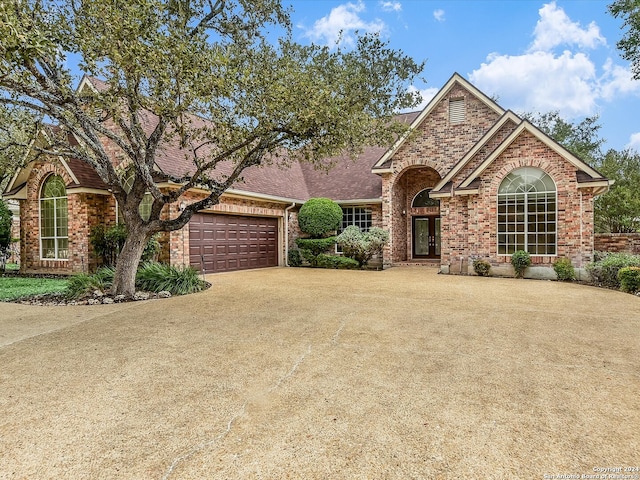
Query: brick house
x,y
469,180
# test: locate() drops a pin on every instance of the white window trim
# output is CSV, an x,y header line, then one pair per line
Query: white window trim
x,y
55,225
555,244
352,207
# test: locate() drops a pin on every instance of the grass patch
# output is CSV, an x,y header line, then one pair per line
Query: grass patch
x,y
13,288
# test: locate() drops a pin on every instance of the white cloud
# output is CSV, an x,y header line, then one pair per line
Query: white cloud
x,y
617,81
540,81
337,25
391,6
634,141
555,28
439,15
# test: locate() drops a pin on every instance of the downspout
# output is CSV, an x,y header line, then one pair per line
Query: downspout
x,y
286,233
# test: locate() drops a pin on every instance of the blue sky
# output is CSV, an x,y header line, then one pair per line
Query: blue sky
x,y
533,56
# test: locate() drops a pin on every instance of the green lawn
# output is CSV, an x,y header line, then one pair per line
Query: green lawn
x,y
12,288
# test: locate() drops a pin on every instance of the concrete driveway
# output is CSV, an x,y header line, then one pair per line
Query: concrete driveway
x,y
315,374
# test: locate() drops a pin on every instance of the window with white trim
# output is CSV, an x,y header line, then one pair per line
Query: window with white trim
x,y
358,216
422,199
527,213
54,220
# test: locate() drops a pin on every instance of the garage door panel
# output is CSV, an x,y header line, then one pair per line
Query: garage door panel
x,y
222,243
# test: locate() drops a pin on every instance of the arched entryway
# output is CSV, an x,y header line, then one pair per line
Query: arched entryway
x,y
425,226
416,216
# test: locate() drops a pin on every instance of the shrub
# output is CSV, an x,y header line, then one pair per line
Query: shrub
x,y
362,246
564,270
310,248
319,216
82,284
151,249
158,277
336,261
482,267
107,242
520,260
295,260
629,278
604,272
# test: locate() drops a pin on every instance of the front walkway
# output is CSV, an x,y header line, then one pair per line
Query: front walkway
x,y
321,374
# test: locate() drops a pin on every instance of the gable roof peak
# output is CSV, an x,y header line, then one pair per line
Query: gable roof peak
x,y
456,78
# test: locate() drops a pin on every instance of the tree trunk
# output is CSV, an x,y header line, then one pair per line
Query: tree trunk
x,y
124,281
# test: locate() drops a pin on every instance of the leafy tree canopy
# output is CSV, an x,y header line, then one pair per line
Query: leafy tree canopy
x,y
582,139
17,127
629,44
618,211
201,73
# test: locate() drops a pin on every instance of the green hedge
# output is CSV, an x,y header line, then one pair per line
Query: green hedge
x,y
310,248
336,261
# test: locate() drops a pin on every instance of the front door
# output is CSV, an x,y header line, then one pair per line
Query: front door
x,y
426,237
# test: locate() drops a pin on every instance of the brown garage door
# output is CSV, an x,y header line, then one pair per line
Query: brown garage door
x,y
221,243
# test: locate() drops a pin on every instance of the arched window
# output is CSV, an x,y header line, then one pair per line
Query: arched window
x,y
422,199
54,236
527,213
145,205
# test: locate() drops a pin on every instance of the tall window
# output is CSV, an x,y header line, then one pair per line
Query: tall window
x,y
527,213
54,236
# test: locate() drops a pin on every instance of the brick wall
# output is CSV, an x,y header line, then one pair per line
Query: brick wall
x,y
438,145
472,222
617,242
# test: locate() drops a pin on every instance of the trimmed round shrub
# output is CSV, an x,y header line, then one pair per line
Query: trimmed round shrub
x,y
564,270
520,260
482,267
319,216
629,278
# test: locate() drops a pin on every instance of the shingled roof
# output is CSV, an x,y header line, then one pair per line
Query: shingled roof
x,y
347,180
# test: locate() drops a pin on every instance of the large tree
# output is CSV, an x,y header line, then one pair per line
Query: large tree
x,y
618,210
212,78
629,11
17,127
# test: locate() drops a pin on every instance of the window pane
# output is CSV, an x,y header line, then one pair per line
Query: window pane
x,y
63,248
48,248
61,217
47,214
